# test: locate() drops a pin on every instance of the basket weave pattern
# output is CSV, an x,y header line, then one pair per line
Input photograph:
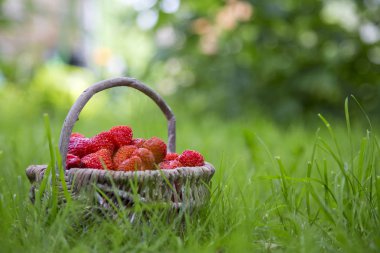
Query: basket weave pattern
x,y
188,186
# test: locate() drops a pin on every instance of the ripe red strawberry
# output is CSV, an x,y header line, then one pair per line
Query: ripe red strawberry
x,y
122,154
73,161
100,141
167,165
171,156
131,164
79,146
138,142
95,160
75,135
157,147
191,158
121,135
146,156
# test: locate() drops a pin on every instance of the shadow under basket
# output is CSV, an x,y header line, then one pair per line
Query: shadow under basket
x,y
183,187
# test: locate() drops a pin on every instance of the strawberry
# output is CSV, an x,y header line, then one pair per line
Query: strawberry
x,y
171,156
138,142
191,158
131,164
100,141
73,161
122,154
75,135
167,165
157,147
79,146
121,135
96,160
146,156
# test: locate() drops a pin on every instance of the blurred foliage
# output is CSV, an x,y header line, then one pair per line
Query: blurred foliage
x,y
287,58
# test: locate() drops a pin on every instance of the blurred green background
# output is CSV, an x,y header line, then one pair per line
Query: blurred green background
x,y
245,79
285,59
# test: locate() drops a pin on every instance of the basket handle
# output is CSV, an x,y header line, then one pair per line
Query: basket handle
x,y
82,100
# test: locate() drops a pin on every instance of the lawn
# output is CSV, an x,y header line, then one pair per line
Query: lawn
x,y
301,187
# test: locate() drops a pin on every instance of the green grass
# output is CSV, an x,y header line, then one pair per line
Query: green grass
x,y
276,189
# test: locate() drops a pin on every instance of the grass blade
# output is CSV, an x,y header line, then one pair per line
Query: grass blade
x,y
283,178
348,125
54,195
326,181
363,111
323,207
65,190
332,134
307,197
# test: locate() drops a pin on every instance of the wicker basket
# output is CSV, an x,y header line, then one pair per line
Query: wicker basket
x,y
185,187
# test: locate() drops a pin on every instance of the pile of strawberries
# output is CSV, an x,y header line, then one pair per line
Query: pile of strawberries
x,y
116,149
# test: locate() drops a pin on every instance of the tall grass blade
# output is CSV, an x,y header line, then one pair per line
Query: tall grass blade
x,y
332,134
361,157
323,207
54,195
65,190
363,111
326,181
348,125
283,178
307,197
270,155
42,187
340,163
